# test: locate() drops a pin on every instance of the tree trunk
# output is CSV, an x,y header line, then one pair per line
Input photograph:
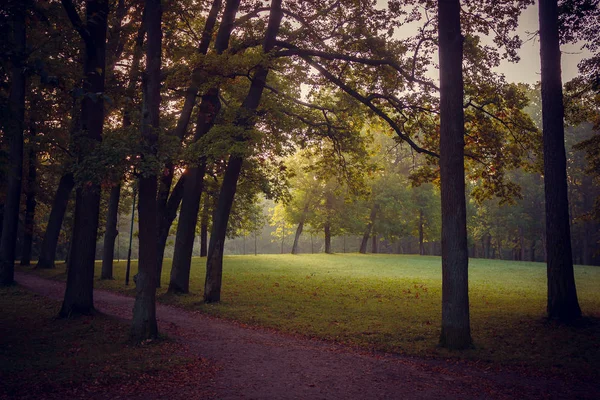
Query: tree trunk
x,y
143,324
57,214
190,204
456,331
244,120
532,250
374,241
299,230
108,252
80,277
14,131
30,202
165,220
365,238
327,231
204,227
562,294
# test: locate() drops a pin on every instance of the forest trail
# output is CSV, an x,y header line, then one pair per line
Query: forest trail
x,y
254,363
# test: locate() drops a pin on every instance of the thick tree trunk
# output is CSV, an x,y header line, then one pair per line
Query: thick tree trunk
x,y
80,278
108,251
14,131
57,214
374,242
30,202
190,204
562,294
365,238
143,324
456,330
327,232
532,250
214,263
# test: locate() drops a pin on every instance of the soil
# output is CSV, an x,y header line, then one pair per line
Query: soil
x,y
254,363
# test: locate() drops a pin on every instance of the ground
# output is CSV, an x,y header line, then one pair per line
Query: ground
x,y
254,363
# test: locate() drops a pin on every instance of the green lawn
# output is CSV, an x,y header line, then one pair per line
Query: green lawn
x,y
392,303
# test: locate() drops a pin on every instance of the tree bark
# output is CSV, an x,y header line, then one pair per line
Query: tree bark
x,y
365,238
143,324
55,221
108,251
30,201
245,120
562,294
14,131
327,232
80,277
456,331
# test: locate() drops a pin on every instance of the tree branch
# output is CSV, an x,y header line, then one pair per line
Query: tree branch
x,y
76,19
369,104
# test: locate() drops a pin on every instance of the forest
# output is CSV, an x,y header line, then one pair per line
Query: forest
x,y
161,131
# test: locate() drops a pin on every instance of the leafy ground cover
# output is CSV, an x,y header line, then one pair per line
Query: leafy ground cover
x,y
392,303
44,357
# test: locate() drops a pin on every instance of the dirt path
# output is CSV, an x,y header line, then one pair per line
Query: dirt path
x,y
260,364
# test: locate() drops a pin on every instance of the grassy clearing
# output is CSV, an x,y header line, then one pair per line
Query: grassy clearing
x,y
44,356
392,303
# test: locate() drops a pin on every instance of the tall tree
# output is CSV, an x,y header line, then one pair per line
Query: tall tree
x,y
456,329
111,232
80,277
14,130
244,121
168,204
193,186
562,294
144,324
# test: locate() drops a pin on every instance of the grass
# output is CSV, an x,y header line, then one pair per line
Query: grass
x,y
41,355
393,303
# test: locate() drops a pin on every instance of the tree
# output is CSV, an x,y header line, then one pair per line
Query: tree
x,y
143,325
14,131
244,121
563,305
80,277
207,113
456,329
